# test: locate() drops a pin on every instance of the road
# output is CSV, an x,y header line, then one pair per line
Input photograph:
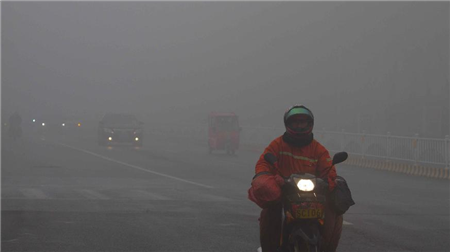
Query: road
x,y
68,194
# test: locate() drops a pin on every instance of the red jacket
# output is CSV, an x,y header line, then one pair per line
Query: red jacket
x,y
312,158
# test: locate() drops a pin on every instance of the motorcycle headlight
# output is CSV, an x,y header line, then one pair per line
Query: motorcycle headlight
x,y
305,185
109,131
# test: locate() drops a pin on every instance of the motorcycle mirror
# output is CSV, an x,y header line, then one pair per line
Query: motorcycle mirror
x,y
340,157
269,157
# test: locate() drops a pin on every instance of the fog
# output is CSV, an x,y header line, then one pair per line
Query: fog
x,y
359,66
375,75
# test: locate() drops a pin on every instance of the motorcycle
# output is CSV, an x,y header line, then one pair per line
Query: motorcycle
x,y
303,201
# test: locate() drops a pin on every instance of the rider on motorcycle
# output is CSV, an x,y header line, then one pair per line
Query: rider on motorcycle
x,y
296,151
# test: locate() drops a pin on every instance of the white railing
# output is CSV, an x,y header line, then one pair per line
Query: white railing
x,y
414,149
407,149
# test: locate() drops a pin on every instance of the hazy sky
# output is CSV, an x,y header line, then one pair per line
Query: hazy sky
x,y
181,60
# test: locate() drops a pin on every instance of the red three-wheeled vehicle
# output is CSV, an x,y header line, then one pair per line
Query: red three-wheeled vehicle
x,y
223,132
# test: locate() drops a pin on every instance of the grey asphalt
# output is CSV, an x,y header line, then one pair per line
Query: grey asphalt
x,y
68,194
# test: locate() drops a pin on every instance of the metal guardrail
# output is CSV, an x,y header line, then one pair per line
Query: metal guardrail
x,y
414,150
407,149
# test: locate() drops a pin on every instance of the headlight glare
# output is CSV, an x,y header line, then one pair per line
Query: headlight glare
x,y
305,185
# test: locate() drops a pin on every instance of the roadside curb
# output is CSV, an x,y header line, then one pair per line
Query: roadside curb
x,y
410,169
386,165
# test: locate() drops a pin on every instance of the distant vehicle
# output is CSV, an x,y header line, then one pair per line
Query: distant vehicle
x,y
15,132
14,126
120,128
56,124
46,125
70,124
223,132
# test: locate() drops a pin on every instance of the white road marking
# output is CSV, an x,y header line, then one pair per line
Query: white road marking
x,y
93,194
13,240
34,193
135,167
347,223
150,195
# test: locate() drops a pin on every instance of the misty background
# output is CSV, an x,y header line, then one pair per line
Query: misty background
x,y
359,66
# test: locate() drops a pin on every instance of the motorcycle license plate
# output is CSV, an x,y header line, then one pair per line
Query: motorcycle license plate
x,y
309,213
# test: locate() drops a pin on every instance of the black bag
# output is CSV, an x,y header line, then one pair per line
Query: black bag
x,y
341,197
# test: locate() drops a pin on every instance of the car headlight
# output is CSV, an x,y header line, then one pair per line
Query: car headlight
x,y
109,131
305,185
